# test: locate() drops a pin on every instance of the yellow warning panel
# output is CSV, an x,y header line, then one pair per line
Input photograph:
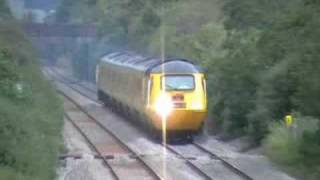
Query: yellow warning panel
x,y
289,120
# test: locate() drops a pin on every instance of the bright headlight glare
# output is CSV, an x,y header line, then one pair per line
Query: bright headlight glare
x,y
163,105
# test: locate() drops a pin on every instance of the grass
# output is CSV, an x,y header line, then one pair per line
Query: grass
x,y
287,147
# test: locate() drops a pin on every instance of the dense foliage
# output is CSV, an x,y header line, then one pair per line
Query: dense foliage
x,y
30,113
262,57
4,11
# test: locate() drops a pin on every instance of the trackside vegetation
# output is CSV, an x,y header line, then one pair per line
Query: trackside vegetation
x,y
262,57
30,111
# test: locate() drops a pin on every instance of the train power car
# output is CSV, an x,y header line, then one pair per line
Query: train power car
x,y
153,91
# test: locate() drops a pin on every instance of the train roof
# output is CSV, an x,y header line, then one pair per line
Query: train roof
x,y
151,64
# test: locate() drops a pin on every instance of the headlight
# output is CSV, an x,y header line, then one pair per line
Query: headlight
x,y
163,105
197,105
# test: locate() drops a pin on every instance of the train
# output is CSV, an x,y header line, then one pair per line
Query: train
x,y
164,95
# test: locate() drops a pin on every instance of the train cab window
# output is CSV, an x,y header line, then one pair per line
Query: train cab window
x,y
178,82
149,91
204,86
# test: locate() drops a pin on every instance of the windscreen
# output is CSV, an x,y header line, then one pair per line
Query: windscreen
x,y
179,83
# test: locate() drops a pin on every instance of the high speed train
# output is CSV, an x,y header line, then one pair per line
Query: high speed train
x,y
162,94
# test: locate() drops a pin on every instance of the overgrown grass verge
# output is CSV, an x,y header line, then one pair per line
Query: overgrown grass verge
x,y
295,149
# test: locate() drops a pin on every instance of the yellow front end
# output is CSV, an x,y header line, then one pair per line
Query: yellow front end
x,y
181,109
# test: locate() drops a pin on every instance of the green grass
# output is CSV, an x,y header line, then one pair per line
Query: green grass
x,y
287,147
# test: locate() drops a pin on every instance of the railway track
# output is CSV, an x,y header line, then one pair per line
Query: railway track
x,y
228,165
207,153
171,148
100,154
104,160
72,80
189,162
71,84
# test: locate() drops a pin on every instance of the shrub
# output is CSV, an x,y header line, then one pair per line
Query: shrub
x,y
30,114
297,149
30,128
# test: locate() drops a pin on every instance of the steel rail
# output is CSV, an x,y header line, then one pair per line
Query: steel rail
x,y
77,82
64,78
68,85
138,157
225,163
189,163
104,160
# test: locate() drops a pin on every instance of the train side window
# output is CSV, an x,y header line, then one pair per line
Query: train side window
x,y
150,87
97,73
204,86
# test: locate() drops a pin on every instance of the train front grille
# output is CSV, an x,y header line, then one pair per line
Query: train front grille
x,y
178,101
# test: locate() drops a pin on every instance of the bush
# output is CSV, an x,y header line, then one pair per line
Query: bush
x,y
30,128
310,149
296,149
30,114
10,174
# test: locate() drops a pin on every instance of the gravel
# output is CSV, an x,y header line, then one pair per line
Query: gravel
x,y
86,168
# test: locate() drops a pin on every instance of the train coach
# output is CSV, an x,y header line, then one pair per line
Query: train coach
x,y
169,94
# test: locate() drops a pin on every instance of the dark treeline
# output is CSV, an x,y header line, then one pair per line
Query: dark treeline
x,y
262,58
